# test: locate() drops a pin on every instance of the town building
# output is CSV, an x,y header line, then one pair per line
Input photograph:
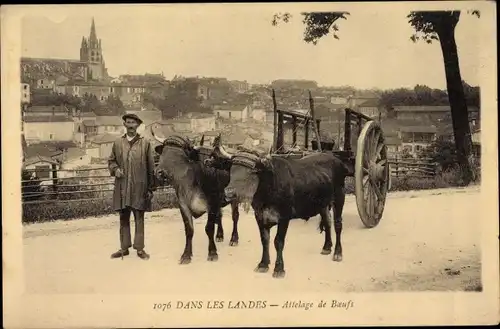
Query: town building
x,y
416,138
110,124
105,144
371,107
48,129
233,112
239,86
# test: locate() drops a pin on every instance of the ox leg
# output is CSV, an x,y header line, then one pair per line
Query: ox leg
x,y
337,222
210,230
263,266
219,237
279,244
326,225
236,216
189,232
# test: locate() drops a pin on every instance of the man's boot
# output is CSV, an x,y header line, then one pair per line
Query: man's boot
x,y
120,253
142,254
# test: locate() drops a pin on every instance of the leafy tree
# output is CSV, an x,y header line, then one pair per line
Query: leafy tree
x,y
90,103
440,25
112,106
429,26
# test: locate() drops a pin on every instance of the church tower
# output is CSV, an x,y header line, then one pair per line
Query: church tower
x,y
91,52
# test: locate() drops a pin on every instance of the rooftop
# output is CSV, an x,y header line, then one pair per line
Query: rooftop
x,y
89,123
74,152
39,158
48,108
440,108
47,118
41,149
418,129
87,114
105,138
370,102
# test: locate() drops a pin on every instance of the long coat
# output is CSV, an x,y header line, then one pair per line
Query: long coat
x,y
136,161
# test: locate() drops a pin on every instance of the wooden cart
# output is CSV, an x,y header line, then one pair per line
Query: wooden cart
x,y
366,157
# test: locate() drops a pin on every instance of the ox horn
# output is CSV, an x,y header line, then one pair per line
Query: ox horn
x,y
197,147
160,140
224,152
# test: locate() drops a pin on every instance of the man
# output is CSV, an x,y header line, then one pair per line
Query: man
x,y
132,164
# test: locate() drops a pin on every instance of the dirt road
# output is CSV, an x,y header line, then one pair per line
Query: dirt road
x,y
427,240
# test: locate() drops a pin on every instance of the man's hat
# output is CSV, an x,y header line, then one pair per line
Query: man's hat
x,y
131,116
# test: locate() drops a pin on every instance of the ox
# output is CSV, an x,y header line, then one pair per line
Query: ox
x,y
199,190
281,189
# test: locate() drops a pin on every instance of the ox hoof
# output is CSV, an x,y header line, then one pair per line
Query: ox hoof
x,y
185,260
337,258
326,251
213,258
219,238
261,269
233,243
279,274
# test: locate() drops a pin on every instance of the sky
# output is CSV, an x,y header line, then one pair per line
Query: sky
x,y
239,42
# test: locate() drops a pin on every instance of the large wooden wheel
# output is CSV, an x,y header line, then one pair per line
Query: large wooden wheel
x,y
372,174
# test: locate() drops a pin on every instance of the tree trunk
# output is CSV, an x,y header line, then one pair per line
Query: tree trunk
x,y
456,96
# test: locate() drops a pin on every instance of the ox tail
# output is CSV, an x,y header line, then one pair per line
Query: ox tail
x,y
321,226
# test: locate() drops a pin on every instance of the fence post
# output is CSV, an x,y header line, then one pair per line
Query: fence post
x,y
397,166
54,179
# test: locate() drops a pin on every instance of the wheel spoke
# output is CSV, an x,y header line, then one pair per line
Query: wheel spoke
x,y
374,149
382,162
373,201
366,155
376,189
379,149
368,201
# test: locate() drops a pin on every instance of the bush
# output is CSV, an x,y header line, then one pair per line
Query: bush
x,y
30,185
54,210
443,152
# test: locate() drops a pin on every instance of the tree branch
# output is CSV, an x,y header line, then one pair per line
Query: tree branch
x,y
318,24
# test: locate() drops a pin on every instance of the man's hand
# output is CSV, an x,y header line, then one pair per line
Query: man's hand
x,y
118,173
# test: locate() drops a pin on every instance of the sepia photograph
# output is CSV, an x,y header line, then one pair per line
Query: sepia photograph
x,y
248,163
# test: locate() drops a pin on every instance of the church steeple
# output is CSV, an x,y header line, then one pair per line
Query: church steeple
x,y
93,35
91,53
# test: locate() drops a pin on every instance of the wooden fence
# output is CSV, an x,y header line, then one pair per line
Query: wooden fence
x,y
409,167
81,184
71,185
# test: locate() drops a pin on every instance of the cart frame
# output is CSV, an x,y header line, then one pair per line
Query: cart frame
x,y
368,163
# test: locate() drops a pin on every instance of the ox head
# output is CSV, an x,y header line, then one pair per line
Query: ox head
x,y
176,152
219,158
247,166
